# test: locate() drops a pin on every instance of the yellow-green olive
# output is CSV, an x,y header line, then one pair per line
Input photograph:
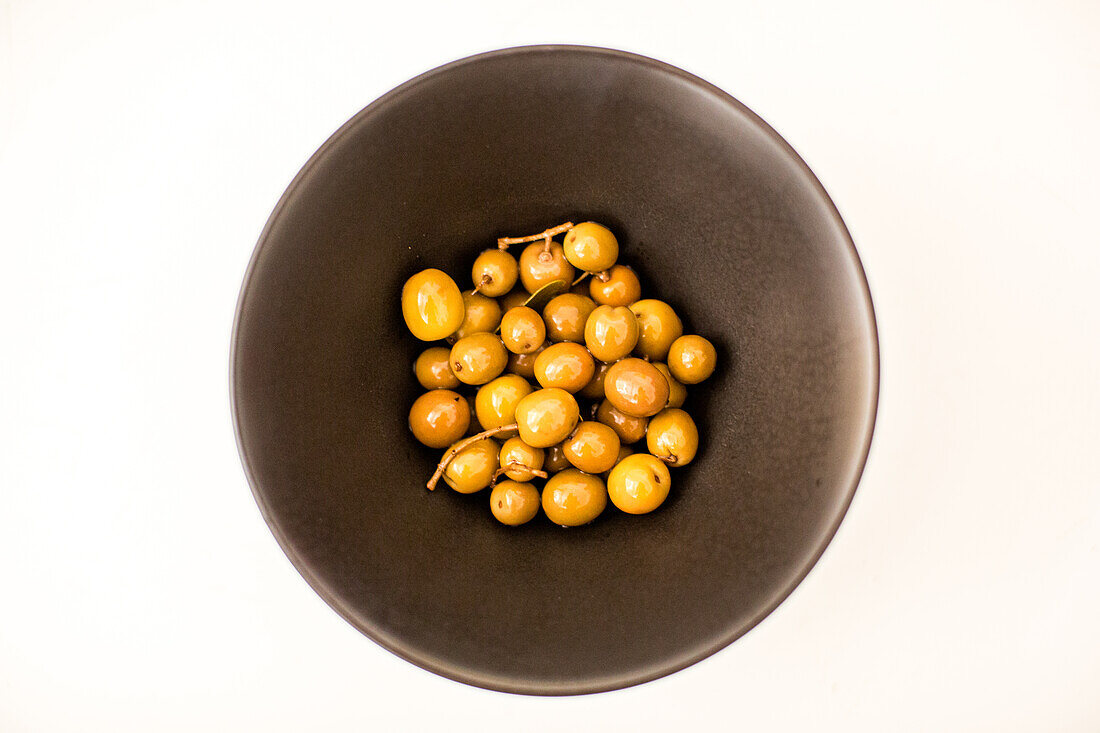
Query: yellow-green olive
x,y
592,447
639,484
478,358
522,458
514,299
432,305
572,498
591,247
482,315
496,401
433,369
438,418
494,272
672,437
473,467
546,417
565,316
691,359
555,460
594,389
566,365
658,327
611,332
539,266
514,503
621,287
636,387
522,330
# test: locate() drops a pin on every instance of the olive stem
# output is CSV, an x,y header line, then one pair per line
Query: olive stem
x,y
485,280
670,458
503,242
461,446
581,278
516,465
544,255
604,276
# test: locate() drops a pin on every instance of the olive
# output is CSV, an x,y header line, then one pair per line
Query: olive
x,y
539,265
473,467
639,484
494,272
433,369
516,453
482,315
565,316
514,299
692,359
593,447
611,332
635,387
629,428
591,247
546,417
514,503
594,389
478,358
495,405
438,418
677,392
432,305
524,364
621,287
672,437
522,330
566,365
658,327
555,459
572,498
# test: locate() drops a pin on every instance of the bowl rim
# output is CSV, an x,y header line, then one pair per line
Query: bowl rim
x,y
488,681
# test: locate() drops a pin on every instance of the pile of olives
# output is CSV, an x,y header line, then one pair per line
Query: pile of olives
x,y
567,376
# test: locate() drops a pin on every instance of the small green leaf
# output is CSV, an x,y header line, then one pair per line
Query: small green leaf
x,y
545,294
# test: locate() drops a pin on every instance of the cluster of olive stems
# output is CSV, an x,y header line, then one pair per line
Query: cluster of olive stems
x,y
542,347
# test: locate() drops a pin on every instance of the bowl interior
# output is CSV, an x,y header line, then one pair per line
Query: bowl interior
x,y
719,217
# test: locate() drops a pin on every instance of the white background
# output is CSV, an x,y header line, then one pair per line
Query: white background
x,y
142,147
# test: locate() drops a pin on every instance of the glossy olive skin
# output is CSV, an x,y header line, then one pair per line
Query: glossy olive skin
x,y
594,389
478,358
555,460
514,503
524,364
433,369
440,417
611,332
636,387
432,305
658,327
572,498
624,451
537,268
473,468
592,447
514,299
691,359
639,484
495,405
629,428
566,365
522,330
546,417
565,317
591,247
672,436
515,452
677,392
482,315
494,272
622,287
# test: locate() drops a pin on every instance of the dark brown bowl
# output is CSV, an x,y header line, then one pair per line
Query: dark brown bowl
x,y
720,217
